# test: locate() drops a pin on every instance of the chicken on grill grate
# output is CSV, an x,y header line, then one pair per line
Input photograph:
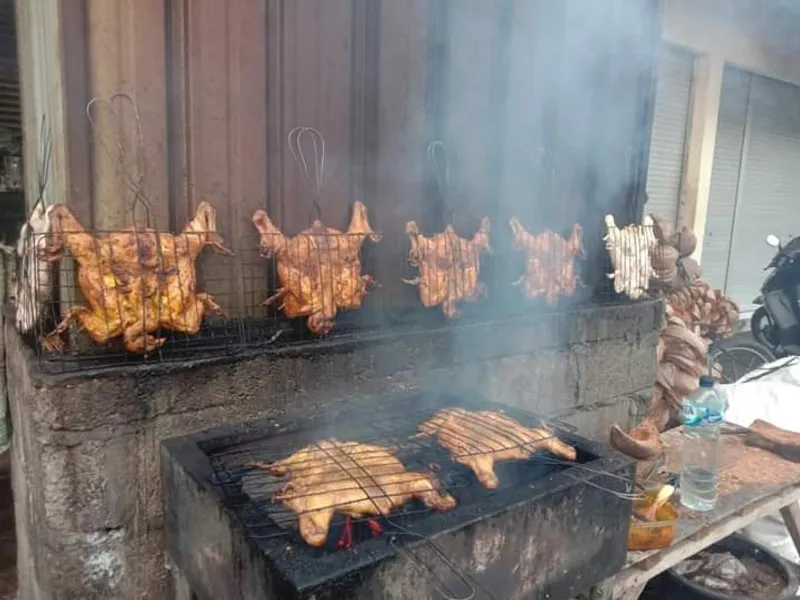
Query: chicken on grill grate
x,y
357,480
448,265
478,439
135,281
550,262
319,269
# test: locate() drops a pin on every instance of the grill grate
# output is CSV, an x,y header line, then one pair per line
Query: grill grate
x,y
250,490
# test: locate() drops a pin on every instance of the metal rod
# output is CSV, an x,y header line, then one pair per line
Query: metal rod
x,y
311,182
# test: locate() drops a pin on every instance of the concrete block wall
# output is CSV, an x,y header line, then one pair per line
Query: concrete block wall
x,y
85,453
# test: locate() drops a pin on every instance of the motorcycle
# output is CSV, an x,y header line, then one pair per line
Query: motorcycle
x,y
775,324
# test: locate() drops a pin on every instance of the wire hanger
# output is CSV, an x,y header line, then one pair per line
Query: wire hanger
x,y
312,182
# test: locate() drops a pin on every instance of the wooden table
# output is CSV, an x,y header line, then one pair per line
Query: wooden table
x,y
753,483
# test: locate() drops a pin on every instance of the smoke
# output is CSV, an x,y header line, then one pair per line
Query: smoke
x,y
543,109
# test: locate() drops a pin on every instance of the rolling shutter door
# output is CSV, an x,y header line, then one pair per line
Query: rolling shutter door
x,y
10,106
769,198
670,124
725,176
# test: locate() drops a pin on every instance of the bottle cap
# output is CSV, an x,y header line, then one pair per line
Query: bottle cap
x,y
706,381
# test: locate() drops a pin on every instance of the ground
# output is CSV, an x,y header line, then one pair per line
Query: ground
x,y
8,542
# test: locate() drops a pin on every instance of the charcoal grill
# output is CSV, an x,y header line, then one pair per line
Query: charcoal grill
x,y
549,530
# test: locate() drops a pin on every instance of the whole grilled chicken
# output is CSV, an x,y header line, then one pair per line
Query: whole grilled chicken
x,y
448,265
354,479
550,267
135,281
319,269
480,439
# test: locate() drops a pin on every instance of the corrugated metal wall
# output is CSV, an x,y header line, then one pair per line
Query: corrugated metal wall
x,y
220,83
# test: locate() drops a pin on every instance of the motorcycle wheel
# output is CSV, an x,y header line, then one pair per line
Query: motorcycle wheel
x,y
736,358
761,328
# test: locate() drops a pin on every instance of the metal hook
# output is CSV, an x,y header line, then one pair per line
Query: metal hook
x,y
295,142
437,157
545,163
45,154
136,185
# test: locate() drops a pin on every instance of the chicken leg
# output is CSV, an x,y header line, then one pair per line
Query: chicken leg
x,y
101,329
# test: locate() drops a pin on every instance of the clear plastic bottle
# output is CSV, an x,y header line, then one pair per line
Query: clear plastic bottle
x,y
703,412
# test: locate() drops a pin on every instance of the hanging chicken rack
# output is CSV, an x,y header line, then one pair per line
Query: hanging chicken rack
x,y
131,295
146,296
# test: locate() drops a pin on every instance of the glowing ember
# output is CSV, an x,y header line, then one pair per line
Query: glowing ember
x,y
375,527
346,541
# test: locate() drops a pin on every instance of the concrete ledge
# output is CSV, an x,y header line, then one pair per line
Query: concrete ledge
x,y
87,484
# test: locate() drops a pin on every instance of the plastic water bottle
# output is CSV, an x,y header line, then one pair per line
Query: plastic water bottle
x,y
703,412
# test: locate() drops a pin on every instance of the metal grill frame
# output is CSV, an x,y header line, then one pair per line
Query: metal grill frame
x,y
416,453
257,328
305,569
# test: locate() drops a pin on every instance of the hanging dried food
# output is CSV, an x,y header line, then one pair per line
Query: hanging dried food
x,y
707,312
135,281
629,249
550,265
694,313
674,267
683,358
319,269
449,266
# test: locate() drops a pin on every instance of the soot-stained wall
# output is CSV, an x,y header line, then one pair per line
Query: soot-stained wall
x,y
86,468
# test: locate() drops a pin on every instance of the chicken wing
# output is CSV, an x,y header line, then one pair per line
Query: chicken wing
x,y
449,266
350,478
319,269
480,439
134,281
550,267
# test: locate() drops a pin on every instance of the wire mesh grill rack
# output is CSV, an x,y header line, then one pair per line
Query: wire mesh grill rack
x,y
314,283
138,295
383,473
126,296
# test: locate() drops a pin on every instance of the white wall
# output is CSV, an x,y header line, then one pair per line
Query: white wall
x,y
751,34
747,33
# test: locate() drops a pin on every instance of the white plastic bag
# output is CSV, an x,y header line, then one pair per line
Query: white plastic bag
x,y
771,393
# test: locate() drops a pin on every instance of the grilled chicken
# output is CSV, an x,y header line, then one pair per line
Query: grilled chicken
x,y
448,265
357,480
319,269
550,268
480,439
135,281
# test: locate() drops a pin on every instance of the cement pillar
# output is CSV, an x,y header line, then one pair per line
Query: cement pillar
x,y
706,91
